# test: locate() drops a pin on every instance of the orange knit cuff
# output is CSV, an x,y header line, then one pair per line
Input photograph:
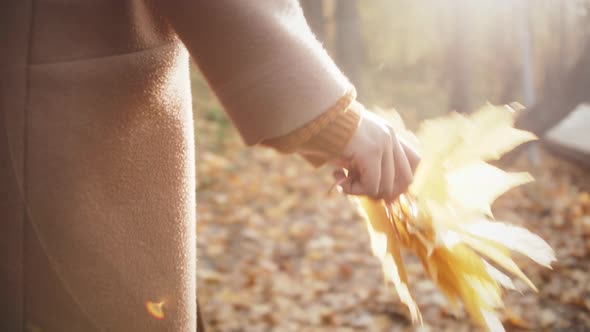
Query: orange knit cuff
x,y
324,137
331,141
291,142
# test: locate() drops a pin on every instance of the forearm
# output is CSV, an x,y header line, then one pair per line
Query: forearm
x,y
261,60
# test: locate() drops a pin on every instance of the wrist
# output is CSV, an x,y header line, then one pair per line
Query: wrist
x,y
293,141
331,141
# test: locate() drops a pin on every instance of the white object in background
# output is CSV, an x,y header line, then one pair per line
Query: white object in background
x,y
573,132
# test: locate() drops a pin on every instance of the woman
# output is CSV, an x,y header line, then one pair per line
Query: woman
x,y
97,155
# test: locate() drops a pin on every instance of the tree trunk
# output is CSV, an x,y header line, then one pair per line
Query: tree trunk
x,y
348,41
314,14
526,42
507,64
457,59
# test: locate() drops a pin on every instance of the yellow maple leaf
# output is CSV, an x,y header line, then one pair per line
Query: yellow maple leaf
x,y
444,218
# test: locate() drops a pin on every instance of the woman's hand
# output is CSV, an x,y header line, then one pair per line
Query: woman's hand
x,y
379,165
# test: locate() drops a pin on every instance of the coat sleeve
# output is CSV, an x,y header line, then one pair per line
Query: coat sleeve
x,y
262,61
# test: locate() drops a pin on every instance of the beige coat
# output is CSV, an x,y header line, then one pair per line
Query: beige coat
x,y
97,175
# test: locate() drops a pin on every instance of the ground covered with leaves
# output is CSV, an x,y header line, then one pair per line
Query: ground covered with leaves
x,y
277,253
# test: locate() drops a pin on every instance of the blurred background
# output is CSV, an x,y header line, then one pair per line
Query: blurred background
x,y
278,254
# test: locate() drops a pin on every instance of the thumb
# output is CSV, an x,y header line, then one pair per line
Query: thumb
x,y
347,180
352,186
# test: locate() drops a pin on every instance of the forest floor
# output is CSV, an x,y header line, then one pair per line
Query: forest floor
x,y
276,253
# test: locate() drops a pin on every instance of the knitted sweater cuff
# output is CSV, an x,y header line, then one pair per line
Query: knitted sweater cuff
x,y
325,137
330,142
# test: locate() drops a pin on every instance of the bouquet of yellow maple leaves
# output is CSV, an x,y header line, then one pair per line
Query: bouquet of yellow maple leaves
x,y
445,217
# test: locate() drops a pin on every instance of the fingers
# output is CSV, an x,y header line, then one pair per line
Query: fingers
x,y
403,170
364,175
385,179
411,154
368,180
339,175
379,165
